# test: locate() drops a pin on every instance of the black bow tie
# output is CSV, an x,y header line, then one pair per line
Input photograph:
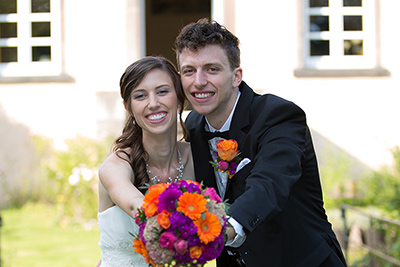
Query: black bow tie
x,y
210,135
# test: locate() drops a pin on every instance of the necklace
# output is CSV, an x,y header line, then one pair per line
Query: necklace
x,y
178,177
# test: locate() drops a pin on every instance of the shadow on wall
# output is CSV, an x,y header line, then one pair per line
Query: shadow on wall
x,y
340,171
17,155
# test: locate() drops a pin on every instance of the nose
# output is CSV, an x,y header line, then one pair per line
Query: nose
x,y
200,80
153,101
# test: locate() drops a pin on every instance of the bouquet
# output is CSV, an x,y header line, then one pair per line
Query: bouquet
x,y
227,157
180,224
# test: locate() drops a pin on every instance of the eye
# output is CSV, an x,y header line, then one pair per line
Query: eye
x,y
213,69
138,96
187,71
163,91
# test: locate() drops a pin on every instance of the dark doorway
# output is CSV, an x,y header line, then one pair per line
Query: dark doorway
x,y
165,18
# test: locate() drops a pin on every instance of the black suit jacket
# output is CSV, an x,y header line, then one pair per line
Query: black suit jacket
x,y
277,197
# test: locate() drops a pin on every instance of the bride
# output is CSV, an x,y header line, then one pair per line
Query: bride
x,y
147,151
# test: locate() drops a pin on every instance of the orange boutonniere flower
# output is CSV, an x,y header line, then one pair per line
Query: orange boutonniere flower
x,y
227,157
227,149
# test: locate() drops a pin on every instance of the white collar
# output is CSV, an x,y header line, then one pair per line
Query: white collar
x,y
228,121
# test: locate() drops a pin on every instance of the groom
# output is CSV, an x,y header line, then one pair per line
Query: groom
x,y
277,213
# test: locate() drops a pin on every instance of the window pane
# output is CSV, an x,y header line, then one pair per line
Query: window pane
x,y
319,23
352,3
39,6
41,53
8,30
8,6
352,23
319,47
40,29
319,3
353,47
8,54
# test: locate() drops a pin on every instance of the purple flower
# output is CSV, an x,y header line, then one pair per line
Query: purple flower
x,y
183,185
233,166
173,185
223,165
212,250
182,224
194,188
167,240
167,199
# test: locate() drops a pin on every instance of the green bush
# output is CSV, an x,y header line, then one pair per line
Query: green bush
x,y
384,186
73,178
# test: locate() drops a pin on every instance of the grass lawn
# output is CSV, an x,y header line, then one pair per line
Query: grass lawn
x,y
30,238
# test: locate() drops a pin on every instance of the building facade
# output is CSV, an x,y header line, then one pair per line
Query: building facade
x,y
60,62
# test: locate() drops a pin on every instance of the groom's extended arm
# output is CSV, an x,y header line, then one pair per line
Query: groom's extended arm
x,y
277,164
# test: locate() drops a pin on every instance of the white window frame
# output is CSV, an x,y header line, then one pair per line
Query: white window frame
x,y
24,67
338,64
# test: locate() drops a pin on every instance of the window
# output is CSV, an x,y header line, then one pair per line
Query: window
x,y
338,35
30,41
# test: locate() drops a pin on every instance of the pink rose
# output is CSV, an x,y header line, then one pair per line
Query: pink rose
x,y
181,246
223,165
167,240
213,194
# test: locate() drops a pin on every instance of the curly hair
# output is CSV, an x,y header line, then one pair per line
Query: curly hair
x,y
198,34
132,134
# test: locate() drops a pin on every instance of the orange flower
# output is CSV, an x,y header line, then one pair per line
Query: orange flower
x,y
192,205
151,210
150,200
209,228
163,219
141,249
227,149
195,252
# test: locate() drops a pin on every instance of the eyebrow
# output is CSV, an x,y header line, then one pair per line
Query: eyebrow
x,y
157,87
207,65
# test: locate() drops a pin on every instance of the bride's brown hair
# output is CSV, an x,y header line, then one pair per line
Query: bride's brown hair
x,y
132,134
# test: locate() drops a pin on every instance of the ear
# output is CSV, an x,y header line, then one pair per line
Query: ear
x,y
237,77
126,107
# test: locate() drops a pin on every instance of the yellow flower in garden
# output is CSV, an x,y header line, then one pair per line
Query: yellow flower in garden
x,y
209,228
192,205
227,149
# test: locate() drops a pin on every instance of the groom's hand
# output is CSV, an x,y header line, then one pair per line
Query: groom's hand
x,y
230,232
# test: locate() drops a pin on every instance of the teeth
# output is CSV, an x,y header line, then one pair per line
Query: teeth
x,y
157,116
203,95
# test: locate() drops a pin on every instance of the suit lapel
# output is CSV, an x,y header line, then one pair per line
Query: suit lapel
x,y
240,121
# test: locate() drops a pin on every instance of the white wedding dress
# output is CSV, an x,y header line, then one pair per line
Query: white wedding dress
x,y
115,241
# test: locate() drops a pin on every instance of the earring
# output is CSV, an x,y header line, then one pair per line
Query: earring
x,y
133,122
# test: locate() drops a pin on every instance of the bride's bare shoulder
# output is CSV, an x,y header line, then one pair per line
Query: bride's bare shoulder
x,y
117,159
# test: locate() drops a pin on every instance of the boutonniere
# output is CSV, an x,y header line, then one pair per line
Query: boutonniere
x,y
227,157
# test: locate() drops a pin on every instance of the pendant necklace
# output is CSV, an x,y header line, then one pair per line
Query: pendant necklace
x,y
179,176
